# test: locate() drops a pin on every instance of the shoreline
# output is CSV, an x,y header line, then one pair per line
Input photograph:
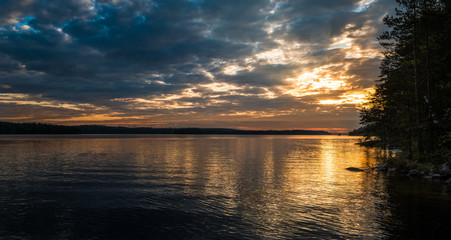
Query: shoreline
x,y
441,175
395,164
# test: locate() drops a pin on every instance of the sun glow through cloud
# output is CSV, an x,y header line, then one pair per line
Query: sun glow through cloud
x,y
278,65
320,80
345,99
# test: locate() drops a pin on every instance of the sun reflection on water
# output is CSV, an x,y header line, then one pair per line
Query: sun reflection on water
x,y
268,187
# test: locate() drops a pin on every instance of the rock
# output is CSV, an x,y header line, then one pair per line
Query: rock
x,y
382,167
354,169
444,169
436,176
413,173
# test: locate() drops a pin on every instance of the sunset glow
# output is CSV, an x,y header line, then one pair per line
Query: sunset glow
x,y
354,99
277,65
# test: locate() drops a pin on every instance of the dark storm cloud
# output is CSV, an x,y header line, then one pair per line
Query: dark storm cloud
x,y
8,65
123,38
101,51
236,19
51,11
320,21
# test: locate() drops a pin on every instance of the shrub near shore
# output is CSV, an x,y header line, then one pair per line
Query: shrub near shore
x,y
429,168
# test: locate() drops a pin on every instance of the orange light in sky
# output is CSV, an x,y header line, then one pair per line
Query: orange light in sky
x,y
355,98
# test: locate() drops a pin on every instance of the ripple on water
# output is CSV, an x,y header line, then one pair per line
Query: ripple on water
x,y
218,187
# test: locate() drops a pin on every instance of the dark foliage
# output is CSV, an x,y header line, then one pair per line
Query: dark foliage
x,y
96,129
38,128
357,132
410,108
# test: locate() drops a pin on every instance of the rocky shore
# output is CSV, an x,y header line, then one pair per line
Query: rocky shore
x,y
441,172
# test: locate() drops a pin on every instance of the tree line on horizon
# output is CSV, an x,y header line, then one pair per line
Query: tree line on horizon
x,y
36,128
410,106
42,128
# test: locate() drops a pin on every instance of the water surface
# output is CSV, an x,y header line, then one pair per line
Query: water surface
x,y
207,187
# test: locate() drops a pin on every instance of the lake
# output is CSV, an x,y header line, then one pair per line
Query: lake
x,y
209,187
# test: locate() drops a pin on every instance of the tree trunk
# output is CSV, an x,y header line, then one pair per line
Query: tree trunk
x,y
415,77
429,103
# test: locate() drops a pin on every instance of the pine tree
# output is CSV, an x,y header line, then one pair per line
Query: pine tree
x,y
411,102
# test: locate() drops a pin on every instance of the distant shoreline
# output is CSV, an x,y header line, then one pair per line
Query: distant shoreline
x,y
40,128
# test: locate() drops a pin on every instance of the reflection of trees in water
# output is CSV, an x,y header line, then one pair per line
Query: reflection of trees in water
x,y
421,209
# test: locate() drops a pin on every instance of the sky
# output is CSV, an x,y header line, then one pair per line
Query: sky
x,y
245,64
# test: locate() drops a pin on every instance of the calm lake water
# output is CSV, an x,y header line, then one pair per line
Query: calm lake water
x,y
208,187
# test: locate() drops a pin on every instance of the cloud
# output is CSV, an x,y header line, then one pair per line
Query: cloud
x,y
181,62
